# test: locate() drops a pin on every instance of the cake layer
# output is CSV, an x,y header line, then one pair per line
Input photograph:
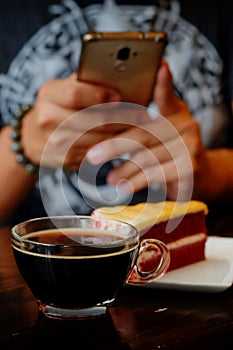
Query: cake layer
x,y
183,252
146,215
187,251
180,225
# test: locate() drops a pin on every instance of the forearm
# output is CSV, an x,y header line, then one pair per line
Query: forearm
x,y
215,182
15,183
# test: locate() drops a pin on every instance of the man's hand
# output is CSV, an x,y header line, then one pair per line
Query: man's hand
x,y
167,151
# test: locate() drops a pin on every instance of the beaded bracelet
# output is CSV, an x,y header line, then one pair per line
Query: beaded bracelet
x,y
16,146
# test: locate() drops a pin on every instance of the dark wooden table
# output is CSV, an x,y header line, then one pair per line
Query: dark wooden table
x,y
141,318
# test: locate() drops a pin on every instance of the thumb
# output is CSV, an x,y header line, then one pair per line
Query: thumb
x,y
164,95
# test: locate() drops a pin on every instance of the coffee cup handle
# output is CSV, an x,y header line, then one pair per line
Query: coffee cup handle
x,y
153,254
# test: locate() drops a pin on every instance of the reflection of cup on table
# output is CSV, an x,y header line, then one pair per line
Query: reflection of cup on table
x,y
74,265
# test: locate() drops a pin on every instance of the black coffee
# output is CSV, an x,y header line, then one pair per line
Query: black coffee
x,y
80,271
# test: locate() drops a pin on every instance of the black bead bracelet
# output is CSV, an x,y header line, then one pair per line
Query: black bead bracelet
x,y
16,146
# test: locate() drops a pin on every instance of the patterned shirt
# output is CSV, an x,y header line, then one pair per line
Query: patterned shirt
x,y
41,40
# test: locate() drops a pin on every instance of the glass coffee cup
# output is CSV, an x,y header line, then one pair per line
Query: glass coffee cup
x,y
75,265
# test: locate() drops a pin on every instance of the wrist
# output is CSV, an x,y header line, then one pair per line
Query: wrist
x,y
214,181
16,147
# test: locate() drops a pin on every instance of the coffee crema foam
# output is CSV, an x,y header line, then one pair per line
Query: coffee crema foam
x,y
79,244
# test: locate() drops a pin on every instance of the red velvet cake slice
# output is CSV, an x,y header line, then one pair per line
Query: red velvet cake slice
x,y
181,225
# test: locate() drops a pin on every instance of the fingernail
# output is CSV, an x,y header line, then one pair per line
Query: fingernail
x,y
112,179
95,155
125,186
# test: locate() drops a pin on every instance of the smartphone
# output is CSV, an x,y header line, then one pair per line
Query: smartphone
x,y
127,61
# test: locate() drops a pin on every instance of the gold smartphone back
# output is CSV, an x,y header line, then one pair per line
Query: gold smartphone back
x,y
128,61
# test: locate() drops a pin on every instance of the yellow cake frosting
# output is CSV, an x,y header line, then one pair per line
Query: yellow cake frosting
x,y
145,215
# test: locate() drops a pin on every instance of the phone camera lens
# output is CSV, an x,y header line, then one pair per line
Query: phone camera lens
x,y
123,54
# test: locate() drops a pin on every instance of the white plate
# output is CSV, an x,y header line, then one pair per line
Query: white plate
x,y
215,274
